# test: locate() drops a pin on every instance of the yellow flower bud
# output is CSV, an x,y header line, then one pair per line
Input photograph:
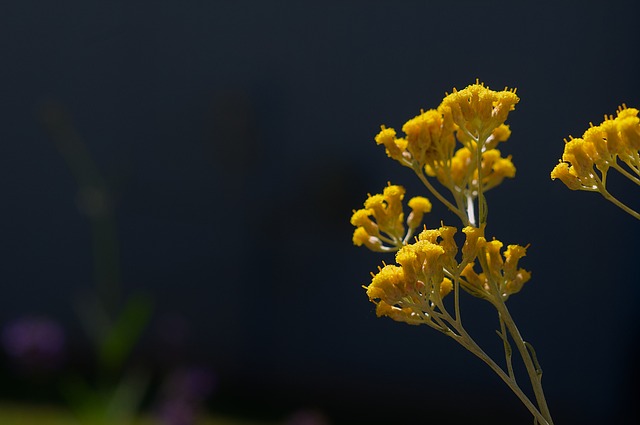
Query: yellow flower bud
x,y
429,258
394,147
494,259
448,243
576,154
629,128
470,247
429,235
362,237
515,285
512,255
387,285
460,164
477,281
563,172
446,286
614,143
419,206
500,134
362,218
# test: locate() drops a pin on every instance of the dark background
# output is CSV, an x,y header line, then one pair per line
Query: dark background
x,y
237,136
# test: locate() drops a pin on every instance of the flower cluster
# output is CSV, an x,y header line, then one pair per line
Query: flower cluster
x,y
381,221
455,145
413,291
614,144
475,118
479,111
599,148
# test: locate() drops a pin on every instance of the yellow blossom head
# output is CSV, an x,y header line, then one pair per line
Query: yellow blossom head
x,y
480,110
576,152
380,224
595,143
388,284
429,136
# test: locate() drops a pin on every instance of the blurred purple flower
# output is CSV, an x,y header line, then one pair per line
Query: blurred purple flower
x,y
193,384
184,391
177,412
35,343
307,417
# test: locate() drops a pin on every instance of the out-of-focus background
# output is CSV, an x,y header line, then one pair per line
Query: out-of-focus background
x,y
177,181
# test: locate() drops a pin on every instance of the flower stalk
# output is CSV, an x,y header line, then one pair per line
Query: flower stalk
x,y
454,145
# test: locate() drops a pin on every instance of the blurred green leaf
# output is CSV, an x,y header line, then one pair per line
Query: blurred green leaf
x,y
125,332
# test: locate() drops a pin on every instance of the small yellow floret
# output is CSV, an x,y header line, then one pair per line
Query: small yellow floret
x,y
395,147
576,152
445,287
419,206
470,247
500,134
563,172
629,127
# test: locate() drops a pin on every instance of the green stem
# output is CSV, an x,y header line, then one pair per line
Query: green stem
x,y
463,338
482,202
626,173
466,341
601,187
507,348
532,370
625,208
441,198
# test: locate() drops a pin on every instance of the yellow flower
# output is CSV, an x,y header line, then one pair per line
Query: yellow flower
x,y
445,287
449,245
596,143
462,176
362,218
362,237
494,260
567,175
395,148
502,269
429,137
388,284
408,292
500,134
513,276
495,169
479,110
380,224
419,206
478,282
577,153
387,210
398,314
629,127
460,164
470,247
